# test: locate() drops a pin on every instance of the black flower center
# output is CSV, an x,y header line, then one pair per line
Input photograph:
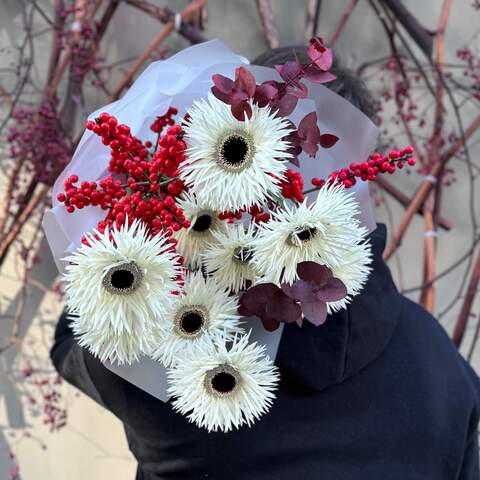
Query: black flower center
x,y
306,234
123,279
235,151
190,321
222,380
202,223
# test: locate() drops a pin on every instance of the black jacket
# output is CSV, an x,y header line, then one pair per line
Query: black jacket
x,y
378,392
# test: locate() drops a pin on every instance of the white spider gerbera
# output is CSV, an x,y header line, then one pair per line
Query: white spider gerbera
x,y
119,288
322,232
202,309
228,259
221,388
204,222
232,164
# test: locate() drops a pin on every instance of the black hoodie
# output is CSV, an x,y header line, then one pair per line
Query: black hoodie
x,y
377,392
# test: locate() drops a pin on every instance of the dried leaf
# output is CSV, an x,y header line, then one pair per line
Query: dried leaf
x,y
314,273
316,75
328,140
315,312
320,55
286,105
301,291
333,291
282,308
309,133
245,81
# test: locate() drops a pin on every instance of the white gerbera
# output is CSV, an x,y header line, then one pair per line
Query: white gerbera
x,y
322,232
202,309
228,259
119,287
231,164
193,241
220,388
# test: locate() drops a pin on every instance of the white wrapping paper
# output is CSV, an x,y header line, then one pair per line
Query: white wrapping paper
x,y
178,81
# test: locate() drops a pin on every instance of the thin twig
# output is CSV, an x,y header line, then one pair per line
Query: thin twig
x,y
347,12
463,318
169,27
311,18
426,187
268,24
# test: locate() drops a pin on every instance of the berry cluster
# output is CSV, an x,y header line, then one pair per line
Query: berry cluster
x,y
163,120
39,142
127,151
151,177
170,154
161,214
102,194
257,213
292,186
376,164
231,217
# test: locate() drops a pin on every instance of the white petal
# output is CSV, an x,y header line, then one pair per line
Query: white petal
x,y
251,399
210,121
120,327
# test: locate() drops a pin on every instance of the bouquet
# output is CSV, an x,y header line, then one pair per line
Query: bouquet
x,y
208,222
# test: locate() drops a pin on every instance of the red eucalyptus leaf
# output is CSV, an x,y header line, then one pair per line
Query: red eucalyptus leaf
x,y
282,308
310,148
245,81
256,298
269,324
315,312
286,105
320,55
240,109
265,94
308,127
333,291
295,144
243,311
298,90
313,273
221,95
223,84
309,132
290,71
316,75
328,140
301,291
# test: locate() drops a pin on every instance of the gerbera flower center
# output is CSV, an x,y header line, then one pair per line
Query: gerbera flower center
x,y
222,381
303,235
242,254
191,321
202,223
123,279
235,151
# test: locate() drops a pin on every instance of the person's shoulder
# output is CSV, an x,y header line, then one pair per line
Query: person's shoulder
x,y
426,347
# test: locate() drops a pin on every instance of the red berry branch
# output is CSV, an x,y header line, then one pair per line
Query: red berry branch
x,y
150,174
369,170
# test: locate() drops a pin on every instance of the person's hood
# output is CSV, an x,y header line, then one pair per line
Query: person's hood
x,y
317,357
